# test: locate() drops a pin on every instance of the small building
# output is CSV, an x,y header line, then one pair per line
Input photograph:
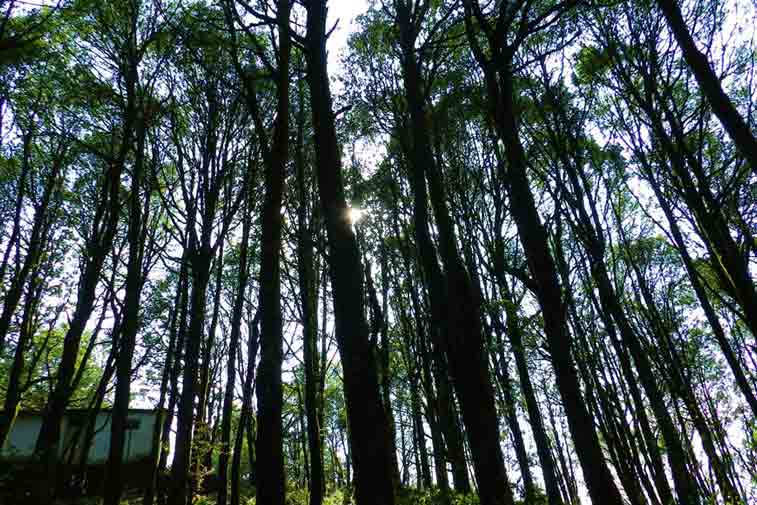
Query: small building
x,y
17,454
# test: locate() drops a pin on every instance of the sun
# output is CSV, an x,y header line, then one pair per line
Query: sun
x,y
354,214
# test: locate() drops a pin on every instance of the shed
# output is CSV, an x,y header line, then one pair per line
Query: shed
x,y
17,454
137,446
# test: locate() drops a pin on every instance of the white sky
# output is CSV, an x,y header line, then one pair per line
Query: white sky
x,y
345,11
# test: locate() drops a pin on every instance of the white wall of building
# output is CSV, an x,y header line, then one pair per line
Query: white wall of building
x,y
137,445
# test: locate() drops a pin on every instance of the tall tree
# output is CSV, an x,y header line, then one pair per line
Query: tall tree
x,y
269,442
206,178
503,38
458,311
368,427
710,83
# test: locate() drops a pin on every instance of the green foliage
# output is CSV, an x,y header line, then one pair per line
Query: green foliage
x,y
43,357
298,496
207,500
591,64
707,272
412,496
406,496
22,39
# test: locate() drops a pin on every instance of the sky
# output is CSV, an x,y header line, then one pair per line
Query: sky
x,y
342,12
345,11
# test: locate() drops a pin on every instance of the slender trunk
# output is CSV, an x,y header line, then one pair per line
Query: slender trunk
x,y
200,267
159,444
37,240
97,250
309,306
379,335
442,412
249,430
682,388
511,415
726,259
12,242
368,425
533,236
594,244
245,414
201,248
14,388
99,244
234,341
269,444
710,84
176,368
129,327
420,435
712,317
464,343
514,332
201,457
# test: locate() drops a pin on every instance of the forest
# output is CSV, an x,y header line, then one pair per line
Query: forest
x,y
486,252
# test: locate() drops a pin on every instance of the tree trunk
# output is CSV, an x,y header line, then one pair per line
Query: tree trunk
x,y
245,415
709,82
243,277
464,343
511,415
160,444
37,240
368,424
98,246
269,443
309,307
533,236
129,326
200,267
514,332
14,388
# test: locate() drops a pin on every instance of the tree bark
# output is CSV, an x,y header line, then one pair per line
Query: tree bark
x,y
464,343
243,277
309,307
129,325
368,424
245,414
269,443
